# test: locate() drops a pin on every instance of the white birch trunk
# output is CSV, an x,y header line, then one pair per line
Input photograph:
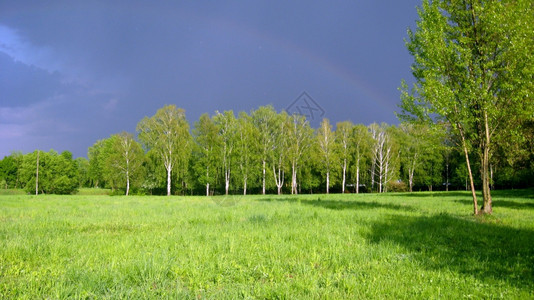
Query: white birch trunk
x,y
169,180
37,175
344,171
328,182
263,183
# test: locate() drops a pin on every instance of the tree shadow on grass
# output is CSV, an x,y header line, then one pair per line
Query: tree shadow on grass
x,y
430,195
473,247
502,203
342,204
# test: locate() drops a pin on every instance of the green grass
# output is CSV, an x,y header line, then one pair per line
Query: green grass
x,y
93,191
11,192
424,245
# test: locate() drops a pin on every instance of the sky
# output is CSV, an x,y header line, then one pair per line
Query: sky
x,y
74,72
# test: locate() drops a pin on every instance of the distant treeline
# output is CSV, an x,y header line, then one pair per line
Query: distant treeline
x,y
266,152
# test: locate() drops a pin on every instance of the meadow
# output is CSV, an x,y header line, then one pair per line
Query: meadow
x,y
367,246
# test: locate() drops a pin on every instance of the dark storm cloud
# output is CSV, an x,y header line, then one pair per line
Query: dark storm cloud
x,y
72,72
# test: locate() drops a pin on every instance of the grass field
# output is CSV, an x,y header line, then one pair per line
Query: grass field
x,y
424,245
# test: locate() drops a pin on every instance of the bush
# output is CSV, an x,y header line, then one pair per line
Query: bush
x,y
63,185
396,186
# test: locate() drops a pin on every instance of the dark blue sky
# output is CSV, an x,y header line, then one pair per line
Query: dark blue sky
x,y
73,72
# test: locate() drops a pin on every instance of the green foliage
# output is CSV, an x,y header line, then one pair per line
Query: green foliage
x,y
9,171
474,70
417,246
167,135
58,173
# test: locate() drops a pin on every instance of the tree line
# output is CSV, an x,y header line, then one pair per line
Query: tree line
x,y
470,110
262,152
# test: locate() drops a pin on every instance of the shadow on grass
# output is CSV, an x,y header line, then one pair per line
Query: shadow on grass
x,y
483,250
502,203
342,204
430,195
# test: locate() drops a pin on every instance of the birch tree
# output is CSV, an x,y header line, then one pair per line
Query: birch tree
x,y
327,150
167,134
227,125
343,136
247,149
208,143
264,119
126,158
382,170
278,153
360,141
299,139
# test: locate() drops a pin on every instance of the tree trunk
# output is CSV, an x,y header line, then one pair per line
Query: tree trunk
x,y
486,191
279,181
344,171
245,186
37,175
226,181
411,171
358,175
127,183
328,182
168,180
294,179
473,192
207,179
263,183
447,182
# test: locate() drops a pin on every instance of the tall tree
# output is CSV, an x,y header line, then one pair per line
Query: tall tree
x,y
96,155
126,158
383,155
167,134
207,150
227,125
343,135
327,149
474,69
264,119
246,149
361,142
278,152
299,139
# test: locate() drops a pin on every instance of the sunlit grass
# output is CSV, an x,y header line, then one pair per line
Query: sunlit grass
x,y
311,246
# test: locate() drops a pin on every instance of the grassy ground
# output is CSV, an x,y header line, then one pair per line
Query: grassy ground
x,y
403,246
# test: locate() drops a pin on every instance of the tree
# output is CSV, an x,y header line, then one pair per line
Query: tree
x,y
383,152
343,136
125,158
264,119
474,70
9,170
327,149
361,142
82,164
207,150
97,158
246,149
299,139
278,154
167,134
227,125
420,146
